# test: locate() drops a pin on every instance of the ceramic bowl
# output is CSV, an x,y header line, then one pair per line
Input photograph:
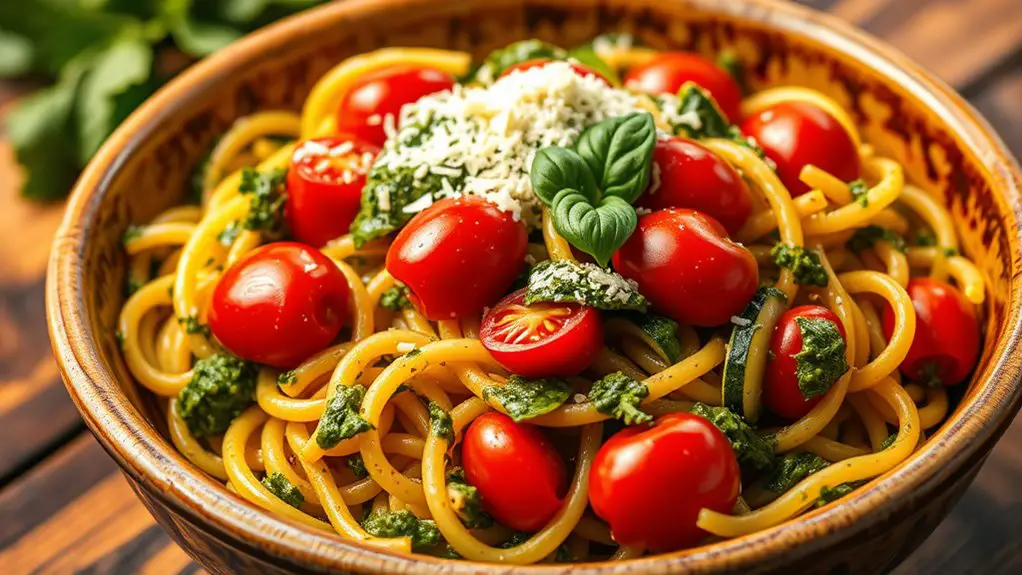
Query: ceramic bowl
x,y
904,111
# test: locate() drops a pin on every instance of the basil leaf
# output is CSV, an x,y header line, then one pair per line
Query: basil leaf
x,y
597,230
555,169
619,154
588,57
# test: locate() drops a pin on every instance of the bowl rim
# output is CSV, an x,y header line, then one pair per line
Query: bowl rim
x,y
150,461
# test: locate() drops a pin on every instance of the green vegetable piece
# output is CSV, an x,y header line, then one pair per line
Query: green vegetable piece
x,y
867,237
804,264
222,386
793,468
822,359
341,419
230,233
395,298
132,233
516,539
749,447
588,57
403,523
440,422
729,61
287,378
925,237
829,494
661,330
693,113
466,501
357,465
286,491
584,283
527,398
888,441
267,199
860,191
619,396
192,325
515,53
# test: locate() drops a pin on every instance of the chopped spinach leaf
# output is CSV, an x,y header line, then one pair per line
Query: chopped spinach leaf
x,y
793,468
619,396
403,523
527,398
286,491
804,264
440,422
341,419
749,447
865,238
222,386
822,359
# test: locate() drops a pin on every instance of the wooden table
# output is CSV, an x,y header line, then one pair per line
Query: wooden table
x,y
65,508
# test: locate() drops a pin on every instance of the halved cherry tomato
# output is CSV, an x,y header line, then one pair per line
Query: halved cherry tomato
x,y
668,72
649,483
520,476
688,268
946,344
542,339
279,304
458,256
796,134
781,392
691,176
580,69
367,103
324,187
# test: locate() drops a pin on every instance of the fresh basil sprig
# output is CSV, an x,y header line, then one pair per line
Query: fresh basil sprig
x,y
590,189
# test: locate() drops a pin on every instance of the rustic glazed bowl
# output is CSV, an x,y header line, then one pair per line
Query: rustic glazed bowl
x,y
905,112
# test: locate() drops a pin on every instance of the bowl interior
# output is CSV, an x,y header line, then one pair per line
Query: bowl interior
x,y
147,165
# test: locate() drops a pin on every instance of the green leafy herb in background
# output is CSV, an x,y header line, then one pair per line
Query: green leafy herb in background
x,y
104,58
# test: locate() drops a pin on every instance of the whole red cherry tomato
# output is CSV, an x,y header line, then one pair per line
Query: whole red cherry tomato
x,y
279,304
324,187
580,69
691,176
542,339
781,392
668,72
946,344
458,256
688,268
649,483
367,103
796,134
519,474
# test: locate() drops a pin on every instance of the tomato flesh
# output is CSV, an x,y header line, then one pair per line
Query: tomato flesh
x,y
797,134
649,483
458,256
691,176
365,106
517,470
279,304
542,339
668,72
579,69
688,268
324,187
781,392
945,347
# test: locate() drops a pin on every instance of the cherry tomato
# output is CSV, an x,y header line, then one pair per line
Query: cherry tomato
x,y
279,304
946,344
365,105
519,474
324,187
668,72
542,339
649,483
796,134
691,176
781,393
458,256
688,268
580,69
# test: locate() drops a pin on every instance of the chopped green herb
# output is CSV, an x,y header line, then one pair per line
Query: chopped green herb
x,y
193,326
357,465
119,336
515,53
860,192
286,491
829,494
950,252
693,113
132,233
822,359
793,468
865,238
395,298
466,501
889,441
527,398
925,237
619,396
230,233
222,386
804,264
287,378
440,422
341,419
403,523
728,60
268,195
749,447
516,539
584,283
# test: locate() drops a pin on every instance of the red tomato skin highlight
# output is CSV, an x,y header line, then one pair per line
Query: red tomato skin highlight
x,y
568,351
517,470
781,393
649,483
795,134
688,268
320,204
383,92
668,72
947,332
280,304
580,69
458,256
691,176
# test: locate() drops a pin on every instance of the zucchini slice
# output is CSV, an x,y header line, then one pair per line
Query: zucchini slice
x,y
658,332
742,382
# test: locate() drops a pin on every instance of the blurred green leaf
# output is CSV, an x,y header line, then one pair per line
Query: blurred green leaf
x,y
15,55
200,38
